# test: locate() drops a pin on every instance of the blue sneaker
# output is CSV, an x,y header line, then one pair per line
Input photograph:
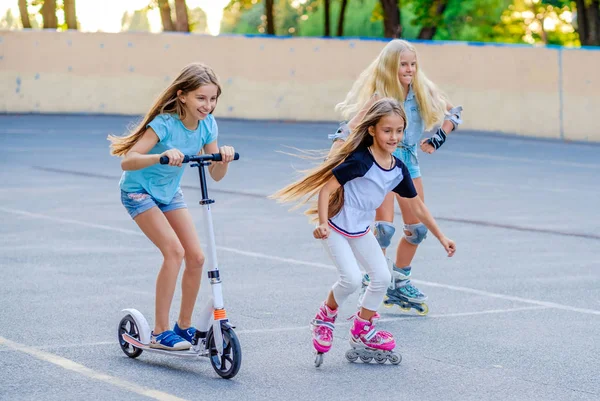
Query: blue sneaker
x,y
169,341
187,334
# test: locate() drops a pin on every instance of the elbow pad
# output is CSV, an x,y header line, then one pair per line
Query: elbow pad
x,y
454,116
342,133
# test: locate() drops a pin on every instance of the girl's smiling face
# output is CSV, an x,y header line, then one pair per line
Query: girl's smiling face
x,y
407,68
388,132
201,102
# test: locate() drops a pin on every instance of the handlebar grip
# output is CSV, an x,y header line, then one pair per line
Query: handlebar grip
x,y
217,157
165,159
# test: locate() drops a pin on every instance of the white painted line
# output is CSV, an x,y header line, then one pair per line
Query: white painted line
x,y
509,297
483,312
87,372
139,233
320,265
276,258
406,318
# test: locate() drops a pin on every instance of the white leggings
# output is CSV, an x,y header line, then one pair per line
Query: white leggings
x,y
346,253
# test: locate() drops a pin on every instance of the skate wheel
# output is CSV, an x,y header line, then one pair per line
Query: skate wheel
x,y
423,311
395,359
318,359
229,363
404,308
366,359
388,306
351,355
129,326
380,358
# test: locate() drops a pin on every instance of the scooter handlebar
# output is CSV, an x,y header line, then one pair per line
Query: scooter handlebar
x,y
215,157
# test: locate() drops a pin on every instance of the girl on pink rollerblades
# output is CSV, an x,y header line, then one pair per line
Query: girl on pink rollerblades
x,y
351,184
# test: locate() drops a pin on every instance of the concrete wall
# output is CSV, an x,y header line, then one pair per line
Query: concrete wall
x,y
541,92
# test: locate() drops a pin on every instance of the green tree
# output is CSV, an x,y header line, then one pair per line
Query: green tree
x,y
535,21
136,21
173,14
242,18
9,21
464,20
198,21
241,6
361,18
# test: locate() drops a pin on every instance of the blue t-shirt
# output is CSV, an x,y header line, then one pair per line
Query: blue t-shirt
x,y
162,181
366,184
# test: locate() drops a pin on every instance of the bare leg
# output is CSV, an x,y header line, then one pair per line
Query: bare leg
x,y
406,251
156,227
183,224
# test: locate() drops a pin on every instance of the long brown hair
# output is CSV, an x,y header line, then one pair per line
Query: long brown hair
x,y
303,190
190,78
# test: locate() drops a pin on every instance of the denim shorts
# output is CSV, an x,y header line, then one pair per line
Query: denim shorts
x,y
412,163
139,202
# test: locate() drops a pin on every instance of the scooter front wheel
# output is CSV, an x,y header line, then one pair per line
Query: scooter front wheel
x,y
228,364
129,326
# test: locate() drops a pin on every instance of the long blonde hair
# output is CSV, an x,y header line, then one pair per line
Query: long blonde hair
x,y
303,190
190,78
381,77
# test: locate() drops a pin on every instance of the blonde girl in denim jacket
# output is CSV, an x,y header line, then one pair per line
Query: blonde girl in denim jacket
x,y
395,73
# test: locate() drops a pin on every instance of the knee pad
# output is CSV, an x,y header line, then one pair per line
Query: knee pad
x,y
384,232
418,232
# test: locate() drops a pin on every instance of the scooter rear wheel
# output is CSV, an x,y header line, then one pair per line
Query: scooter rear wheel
x,y
128,325
228,364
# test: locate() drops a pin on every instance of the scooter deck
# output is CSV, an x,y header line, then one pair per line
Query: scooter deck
x,y
190,353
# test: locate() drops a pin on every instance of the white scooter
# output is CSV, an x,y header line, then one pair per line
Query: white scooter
x,y
215,338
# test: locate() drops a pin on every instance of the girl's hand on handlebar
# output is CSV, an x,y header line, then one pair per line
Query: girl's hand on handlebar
x,y
227,154
175,157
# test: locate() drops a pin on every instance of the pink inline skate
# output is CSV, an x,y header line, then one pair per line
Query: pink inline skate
x,y
322,331
367,343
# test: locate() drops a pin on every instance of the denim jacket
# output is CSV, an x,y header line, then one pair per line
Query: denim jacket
x,y
414,128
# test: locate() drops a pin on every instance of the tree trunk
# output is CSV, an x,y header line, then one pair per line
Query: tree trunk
x,y
165,15
181,12
588,22
340,27
428,32
327,4
594,22
391,19
70,14
582,25
24,14
49,14
544,33
270,19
